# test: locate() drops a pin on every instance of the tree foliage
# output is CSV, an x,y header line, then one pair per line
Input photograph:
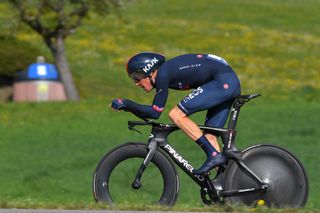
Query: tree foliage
x,y
15,56
55,20
60,18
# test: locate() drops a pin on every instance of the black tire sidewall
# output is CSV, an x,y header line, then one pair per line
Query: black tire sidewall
x,y
131,150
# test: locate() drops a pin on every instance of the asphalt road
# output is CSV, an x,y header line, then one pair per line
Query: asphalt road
x,y
76,211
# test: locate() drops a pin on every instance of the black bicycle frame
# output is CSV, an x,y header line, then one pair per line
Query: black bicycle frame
x,y
158,141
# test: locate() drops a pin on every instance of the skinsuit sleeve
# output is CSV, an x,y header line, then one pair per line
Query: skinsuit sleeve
x,y
152,111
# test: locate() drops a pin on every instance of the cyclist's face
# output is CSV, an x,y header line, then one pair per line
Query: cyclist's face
x,y
145,84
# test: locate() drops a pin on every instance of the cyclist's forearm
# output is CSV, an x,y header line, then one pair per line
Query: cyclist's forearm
x,y
146,111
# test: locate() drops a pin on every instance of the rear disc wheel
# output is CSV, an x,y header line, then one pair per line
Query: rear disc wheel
x,y
283,173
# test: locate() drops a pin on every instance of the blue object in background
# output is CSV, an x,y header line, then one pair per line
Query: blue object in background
x,y
43,71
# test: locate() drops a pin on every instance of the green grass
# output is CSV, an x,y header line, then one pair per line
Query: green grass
x,y
273,45
49,151
265,43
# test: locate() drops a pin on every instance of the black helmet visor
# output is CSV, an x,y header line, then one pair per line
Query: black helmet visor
x,y
136,77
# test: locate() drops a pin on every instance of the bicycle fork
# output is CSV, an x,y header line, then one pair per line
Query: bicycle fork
x,y
136,184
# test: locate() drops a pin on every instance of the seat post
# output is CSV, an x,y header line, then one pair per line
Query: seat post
x,y
229,148
235,110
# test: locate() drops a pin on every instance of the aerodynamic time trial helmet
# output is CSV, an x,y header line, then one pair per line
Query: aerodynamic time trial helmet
x,y
143,64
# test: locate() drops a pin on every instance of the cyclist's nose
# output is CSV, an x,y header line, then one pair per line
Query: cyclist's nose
x,y
138,85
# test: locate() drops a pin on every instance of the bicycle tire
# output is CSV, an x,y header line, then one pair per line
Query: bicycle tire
x,y
159,169
281,170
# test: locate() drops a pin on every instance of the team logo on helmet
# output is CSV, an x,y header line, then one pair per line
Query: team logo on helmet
x,y
150,65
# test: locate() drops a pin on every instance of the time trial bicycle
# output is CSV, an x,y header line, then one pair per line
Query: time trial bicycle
x,y
145,172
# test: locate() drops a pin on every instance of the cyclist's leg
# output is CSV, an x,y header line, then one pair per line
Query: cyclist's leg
x,y
205,97
217,117
182,120
214,157
202,98
213,140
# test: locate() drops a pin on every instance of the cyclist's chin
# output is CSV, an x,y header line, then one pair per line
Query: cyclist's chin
x,y
147,89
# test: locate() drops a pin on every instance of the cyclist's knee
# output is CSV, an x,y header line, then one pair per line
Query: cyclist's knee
x,y
176,115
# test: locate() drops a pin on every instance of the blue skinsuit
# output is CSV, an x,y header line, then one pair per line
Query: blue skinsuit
x,y
214,82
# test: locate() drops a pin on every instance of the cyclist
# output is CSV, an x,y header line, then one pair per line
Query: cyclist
x,y
214,84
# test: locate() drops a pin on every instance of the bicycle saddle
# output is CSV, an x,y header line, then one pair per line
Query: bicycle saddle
x,y
248,97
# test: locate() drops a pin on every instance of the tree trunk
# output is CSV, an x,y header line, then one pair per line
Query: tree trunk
x,y
63,67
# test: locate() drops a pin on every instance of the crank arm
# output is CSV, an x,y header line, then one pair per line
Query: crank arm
x,y
230,193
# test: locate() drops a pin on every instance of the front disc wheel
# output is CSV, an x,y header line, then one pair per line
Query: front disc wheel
x,y
113,179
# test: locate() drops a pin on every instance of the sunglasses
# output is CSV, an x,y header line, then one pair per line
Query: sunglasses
x,y
136,77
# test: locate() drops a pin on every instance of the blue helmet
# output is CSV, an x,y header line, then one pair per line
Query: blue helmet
x,y
143,64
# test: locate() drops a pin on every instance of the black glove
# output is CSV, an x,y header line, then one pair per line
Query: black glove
x,y
118,104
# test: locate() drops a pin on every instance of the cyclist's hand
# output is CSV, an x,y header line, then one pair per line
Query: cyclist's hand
x,y
118,104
